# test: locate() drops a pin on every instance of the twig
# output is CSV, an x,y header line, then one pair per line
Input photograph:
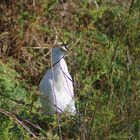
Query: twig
x,y
34,125
22,102
33,37
14,100
17,121
124,122
97,6
54,94
129,61
115,52
37,47
131,6
65,11
3,34
58,37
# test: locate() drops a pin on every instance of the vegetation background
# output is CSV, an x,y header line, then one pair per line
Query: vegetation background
x,y
104,36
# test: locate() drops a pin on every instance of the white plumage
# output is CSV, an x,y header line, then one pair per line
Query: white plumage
x,y
56,87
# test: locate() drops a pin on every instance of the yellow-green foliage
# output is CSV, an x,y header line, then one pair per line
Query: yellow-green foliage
x,y
10,87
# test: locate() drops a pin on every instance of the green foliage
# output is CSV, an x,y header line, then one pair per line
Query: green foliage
x,y
105,43
11,93
9,86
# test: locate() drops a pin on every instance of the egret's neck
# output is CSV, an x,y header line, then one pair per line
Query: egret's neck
x,y
60,64
57,58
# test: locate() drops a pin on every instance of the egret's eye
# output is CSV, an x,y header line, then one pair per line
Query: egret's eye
x,y
64,48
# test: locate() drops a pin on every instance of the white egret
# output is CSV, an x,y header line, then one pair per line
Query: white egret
x,y
56,87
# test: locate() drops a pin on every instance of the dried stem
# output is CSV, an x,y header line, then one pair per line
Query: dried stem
x,y
17,121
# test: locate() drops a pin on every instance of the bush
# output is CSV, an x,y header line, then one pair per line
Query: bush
x,y
105,43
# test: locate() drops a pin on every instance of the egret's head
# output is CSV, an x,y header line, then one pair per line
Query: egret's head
x,y
59,51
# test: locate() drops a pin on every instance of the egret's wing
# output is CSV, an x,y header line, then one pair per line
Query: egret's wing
x,y
46,90
67,79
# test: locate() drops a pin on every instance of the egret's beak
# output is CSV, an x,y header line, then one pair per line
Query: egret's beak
x,y
65,48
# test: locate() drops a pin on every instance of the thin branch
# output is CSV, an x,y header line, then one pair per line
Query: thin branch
x,y
17,121
34,125
37,47
131,6
65,11
97,6
124,122
57,36
14,100
22,102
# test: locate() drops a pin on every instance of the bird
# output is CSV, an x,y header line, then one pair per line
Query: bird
x,y
56,87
